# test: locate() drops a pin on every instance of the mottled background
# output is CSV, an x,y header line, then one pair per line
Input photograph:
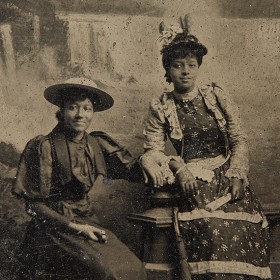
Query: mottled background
x,y
114,43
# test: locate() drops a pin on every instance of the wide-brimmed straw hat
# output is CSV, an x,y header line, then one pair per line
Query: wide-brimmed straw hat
x,y
59,93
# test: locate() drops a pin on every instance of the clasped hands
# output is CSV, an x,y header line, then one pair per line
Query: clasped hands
x,y
183,177
189,186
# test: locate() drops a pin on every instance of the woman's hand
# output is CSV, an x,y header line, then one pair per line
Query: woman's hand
x,y
152,170
89,231
236,188
187,181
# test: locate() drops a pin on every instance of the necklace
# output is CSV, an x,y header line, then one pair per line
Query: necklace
x,y
187,106
188,96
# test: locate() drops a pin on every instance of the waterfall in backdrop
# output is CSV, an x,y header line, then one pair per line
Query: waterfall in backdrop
x,y
89,47
7,61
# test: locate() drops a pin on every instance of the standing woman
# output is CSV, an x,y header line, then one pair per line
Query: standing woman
x,y
58,177
203,125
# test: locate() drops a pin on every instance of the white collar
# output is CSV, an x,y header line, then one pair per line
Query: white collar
x,y
186,97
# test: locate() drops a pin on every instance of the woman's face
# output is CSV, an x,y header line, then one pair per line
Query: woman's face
x,y
183,73
77,115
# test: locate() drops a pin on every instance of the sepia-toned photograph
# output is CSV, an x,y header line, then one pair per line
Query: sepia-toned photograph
x,y
139,140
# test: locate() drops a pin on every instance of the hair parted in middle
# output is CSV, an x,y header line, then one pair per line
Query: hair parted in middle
x,y
177,42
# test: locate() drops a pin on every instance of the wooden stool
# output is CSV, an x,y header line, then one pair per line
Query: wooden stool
x,y
158,247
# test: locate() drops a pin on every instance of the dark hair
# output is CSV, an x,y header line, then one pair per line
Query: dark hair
x,y
77,95
59,115
181,47
177,52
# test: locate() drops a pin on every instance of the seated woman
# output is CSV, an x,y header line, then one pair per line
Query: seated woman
x,y
203,124
58,176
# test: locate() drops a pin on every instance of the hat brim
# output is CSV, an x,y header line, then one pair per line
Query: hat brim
x,y
59,93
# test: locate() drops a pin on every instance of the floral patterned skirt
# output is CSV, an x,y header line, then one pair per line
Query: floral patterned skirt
x,y
229,243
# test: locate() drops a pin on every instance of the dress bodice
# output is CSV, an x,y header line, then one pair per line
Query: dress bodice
x,y
201,134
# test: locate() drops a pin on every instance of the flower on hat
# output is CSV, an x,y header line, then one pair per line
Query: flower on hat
x,y
179,33
168,35
175,34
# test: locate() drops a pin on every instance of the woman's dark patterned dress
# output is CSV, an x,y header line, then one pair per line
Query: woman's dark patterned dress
x,y
232,242
51,250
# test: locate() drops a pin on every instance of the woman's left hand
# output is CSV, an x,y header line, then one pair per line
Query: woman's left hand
x,y
90,231
236,188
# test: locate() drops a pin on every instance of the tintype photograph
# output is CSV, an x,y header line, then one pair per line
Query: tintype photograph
x,y
139,139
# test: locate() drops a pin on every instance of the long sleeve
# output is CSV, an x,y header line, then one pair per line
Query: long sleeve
x,y
120,164
44,212
239,160
155,133
155,128
33,181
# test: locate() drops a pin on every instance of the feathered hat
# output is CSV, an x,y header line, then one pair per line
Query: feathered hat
x,y
174,35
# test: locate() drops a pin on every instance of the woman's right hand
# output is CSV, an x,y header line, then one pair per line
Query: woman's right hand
x,y
187,181
89,231
152,170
